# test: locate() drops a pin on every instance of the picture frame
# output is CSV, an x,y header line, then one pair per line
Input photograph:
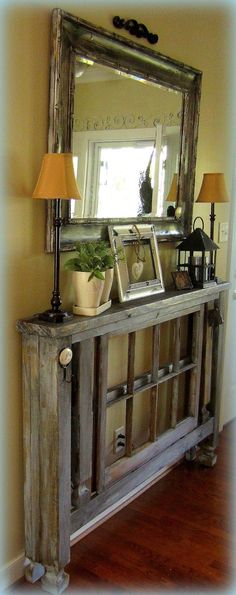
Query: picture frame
x,y
138,267
182,280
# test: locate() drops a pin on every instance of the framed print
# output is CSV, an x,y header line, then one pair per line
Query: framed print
x,y
182,280
138,267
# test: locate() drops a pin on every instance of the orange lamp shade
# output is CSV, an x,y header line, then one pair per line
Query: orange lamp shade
x,y
172,194
213,189
56,178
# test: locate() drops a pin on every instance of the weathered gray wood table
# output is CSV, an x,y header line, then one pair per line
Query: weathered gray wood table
x,y
69,478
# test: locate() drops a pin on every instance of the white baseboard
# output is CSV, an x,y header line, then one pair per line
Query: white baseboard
x,y
12,572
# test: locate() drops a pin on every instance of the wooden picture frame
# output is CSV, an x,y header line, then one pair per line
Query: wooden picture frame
x,y
138,266
182,280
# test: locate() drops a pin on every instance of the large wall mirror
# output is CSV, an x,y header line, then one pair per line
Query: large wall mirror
x,y
130,117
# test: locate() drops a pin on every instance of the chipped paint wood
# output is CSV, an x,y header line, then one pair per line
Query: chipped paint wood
x,y
130,389
206,364
154,376
31,437
101,379
120,317
46,399
176,367
195,376
82,421
54,452
47,417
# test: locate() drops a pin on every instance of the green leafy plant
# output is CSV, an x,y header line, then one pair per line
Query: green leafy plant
x,y
93,258
107,256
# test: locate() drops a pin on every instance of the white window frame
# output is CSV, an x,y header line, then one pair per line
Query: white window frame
x,y
84,146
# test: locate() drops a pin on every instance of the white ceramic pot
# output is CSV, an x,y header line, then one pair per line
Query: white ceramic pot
x,y
109,276
87,293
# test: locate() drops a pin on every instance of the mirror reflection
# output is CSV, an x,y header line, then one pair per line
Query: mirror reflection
x,y
126,144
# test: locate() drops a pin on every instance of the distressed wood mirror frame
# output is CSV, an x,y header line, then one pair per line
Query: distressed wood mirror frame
x,y
73,37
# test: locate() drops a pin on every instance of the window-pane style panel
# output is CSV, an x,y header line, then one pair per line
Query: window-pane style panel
x,y
117,360
167,339
141,419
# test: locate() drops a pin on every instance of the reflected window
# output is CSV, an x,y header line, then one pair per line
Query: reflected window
x,y
124,173
118,179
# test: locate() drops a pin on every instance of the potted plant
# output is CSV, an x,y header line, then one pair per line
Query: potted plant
x,y
92,273
108,261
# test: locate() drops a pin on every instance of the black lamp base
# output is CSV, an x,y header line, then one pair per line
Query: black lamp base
x,y
52,316
55,314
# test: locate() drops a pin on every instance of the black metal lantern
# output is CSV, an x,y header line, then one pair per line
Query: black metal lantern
x,y
197,255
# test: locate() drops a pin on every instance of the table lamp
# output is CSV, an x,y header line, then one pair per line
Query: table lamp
x,y
213,189
172,197
56,182
173,191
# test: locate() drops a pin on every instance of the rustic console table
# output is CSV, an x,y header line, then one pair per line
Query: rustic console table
x,y
69,479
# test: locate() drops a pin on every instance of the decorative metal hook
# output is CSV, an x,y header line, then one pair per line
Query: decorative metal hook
x,y
135,28
215,317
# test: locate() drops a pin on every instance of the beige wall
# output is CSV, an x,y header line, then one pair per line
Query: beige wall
x,y
127,99
197,36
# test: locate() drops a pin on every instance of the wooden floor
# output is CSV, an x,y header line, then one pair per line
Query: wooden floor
x,y
179,534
